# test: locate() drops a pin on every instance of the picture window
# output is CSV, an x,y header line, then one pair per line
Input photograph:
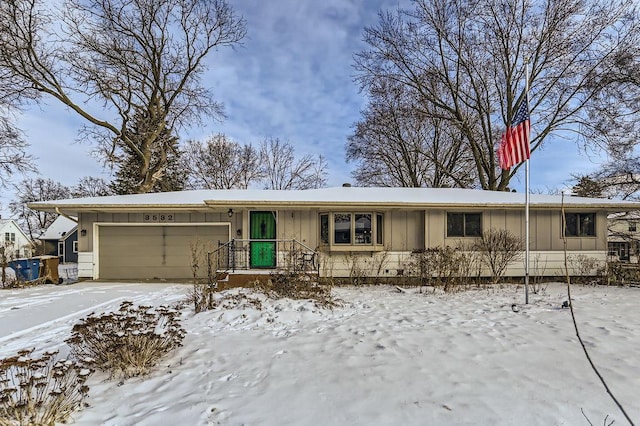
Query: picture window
x,y
352,228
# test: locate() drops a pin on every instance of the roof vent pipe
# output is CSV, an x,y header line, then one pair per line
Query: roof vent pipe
x,y
346,185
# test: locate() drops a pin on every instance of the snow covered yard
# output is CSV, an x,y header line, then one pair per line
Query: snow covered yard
x,y
385,357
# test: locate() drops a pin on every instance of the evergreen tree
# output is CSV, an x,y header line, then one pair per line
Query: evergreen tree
x,y
155,153
588,187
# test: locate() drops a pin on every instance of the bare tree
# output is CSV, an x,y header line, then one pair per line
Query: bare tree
x,y
143,56
13,157
464,62
282,170
396,144
30,190
220,163
90,186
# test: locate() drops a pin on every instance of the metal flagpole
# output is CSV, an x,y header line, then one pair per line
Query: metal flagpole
x,y
526,198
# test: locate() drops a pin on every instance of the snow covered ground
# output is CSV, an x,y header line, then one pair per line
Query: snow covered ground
x,y
384,358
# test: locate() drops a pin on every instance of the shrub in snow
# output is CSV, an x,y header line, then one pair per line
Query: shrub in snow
x,y
201,297
366,269
295,285
618,273
128,342
7,276
231,300
40,390
498,248
586,269
443,267
201,294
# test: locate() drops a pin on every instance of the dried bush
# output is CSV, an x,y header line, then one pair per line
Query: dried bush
x,y
201,297
238,301
128,342
201,294
498,248
357,269
537,275
327,266
618,273
586,269
5,280
442,267
40,390
297,286
469,264
367,269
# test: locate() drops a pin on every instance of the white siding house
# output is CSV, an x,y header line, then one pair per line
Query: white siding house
x,y
13,239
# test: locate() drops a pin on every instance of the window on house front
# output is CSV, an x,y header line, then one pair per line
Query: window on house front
x,y
363,228
324,228
75,246
342,228
580,224
351,228
632,227
464,224
10,237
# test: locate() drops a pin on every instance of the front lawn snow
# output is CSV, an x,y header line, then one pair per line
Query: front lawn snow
x,y
382,357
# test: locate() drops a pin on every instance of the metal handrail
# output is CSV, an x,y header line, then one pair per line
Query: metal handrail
x,y
233,255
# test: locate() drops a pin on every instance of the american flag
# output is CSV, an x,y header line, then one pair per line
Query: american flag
x,y
514,146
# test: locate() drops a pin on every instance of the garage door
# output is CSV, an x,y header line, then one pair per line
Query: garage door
x,y
154,252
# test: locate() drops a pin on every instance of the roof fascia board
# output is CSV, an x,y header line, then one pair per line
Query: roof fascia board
x,y
209,205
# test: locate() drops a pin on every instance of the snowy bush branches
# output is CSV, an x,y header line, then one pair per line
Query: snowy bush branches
x,y
40,390
128,342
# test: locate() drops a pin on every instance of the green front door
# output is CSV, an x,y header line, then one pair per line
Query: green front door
x,y
262,254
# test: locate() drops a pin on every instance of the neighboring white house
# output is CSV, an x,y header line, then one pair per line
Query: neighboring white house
x,y
624,236
14,240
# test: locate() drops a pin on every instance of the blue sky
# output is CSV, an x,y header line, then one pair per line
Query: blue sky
x,y
292,79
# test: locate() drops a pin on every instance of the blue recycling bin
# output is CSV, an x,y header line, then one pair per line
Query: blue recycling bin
x,y
26,269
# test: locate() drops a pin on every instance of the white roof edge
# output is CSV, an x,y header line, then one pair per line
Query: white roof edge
x,y
401,197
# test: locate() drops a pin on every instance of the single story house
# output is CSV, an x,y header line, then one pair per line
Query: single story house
x,y
61,239
13,239
146,236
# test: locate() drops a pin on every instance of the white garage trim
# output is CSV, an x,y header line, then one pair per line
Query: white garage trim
x,y
98,225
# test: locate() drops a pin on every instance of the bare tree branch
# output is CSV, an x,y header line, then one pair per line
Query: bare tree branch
x,y
464,61
130,56
13,157
30,190
396,144
281,169
220,163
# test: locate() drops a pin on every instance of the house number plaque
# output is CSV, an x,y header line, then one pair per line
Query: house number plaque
x,y
158,217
